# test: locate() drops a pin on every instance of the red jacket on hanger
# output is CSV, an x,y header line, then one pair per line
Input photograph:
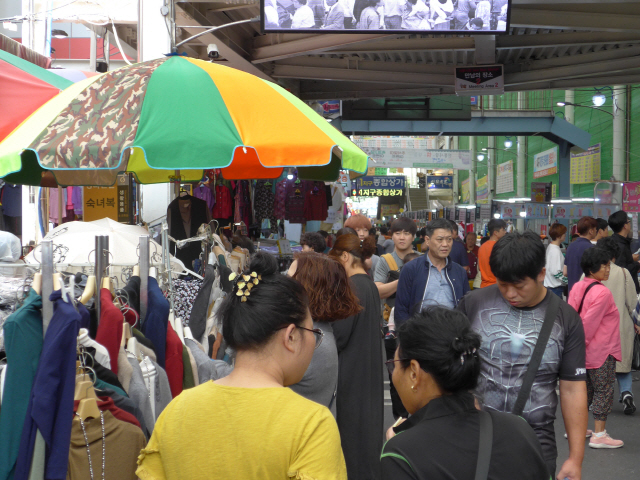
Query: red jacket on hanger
x,y
174,364
109,332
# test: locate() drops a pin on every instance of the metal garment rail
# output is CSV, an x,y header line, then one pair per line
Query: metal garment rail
x,y
144,276
102,257
166,259
47,283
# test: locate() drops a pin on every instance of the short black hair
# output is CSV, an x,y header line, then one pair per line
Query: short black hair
x,y
346,231
484,240
275,302
593,259
444,344
517,256
618,220
602,224
404,224
324,234
314,240
372,231
609,244
384,229
411,256
437,224
477,21
422,232
496,224
454,227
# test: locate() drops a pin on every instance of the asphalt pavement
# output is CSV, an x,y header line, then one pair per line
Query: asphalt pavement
x,y
599,464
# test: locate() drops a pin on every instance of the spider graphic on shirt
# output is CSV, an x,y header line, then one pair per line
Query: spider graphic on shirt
x,y
509,339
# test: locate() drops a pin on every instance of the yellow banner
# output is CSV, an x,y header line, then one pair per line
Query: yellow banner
x,y
585,167
100,202
466,194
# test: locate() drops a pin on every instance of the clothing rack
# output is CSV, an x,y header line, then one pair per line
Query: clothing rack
x,y
47,283
102,260
166,259
144,276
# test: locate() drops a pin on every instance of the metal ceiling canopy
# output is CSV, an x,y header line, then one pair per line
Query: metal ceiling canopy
x,y
554,129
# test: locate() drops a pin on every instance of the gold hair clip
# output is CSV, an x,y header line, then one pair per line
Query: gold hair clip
x,y
247,283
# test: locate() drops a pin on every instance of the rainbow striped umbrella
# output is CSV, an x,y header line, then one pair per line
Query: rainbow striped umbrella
x,y
178,113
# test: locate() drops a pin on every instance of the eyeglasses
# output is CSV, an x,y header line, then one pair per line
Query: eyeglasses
x,y
391,364
316,331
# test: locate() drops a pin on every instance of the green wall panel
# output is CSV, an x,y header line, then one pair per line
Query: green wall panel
x,y
598,124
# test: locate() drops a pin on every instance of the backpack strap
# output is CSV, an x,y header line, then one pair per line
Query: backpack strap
x,y
585,295
390,261
545,332
485,446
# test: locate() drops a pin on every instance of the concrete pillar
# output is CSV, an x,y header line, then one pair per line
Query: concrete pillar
x,y
153,42
93,51
619,133
472,172
107,48
521,167
491,157
456,187
570,116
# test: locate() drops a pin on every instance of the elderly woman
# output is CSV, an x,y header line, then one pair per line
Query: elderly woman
x,y
435,367
624,293
597,308
330,299
266,430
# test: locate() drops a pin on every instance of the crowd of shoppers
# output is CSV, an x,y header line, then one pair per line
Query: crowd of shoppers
x,y
463,363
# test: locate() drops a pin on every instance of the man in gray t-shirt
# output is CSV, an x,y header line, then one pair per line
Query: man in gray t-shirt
x,y
403,231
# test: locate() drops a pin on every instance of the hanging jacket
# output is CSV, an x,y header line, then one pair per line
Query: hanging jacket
x,y
191,250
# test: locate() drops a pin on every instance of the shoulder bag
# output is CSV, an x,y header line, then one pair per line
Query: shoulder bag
x,y
485,446
545,332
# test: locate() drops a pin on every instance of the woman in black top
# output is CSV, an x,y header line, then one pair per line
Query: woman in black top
x,y
360,394
434,369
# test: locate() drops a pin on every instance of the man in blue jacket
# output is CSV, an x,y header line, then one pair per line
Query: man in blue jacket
x,y
432,279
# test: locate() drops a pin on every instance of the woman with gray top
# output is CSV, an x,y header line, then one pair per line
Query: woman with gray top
x,y
330,299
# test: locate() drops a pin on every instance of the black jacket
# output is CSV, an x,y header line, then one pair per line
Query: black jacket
x,y
625,259
440,442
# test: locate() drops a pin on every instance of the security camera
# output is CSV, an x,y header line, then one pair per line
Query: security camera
x,y
212,51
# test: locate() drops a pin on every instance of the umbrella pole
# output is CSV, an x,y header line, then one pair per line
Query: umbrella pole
x,y
101,245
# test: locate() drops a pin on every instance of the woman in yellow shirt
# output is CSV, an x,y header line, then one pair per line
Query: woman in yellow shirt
x,y
246,425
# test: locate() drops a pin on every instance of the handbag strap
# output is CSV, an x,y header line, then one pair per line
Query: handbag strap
x,y
585,295
485,446
538,352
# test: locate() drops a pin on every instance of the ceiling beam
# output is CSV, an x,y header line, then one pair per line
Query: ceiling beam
x,y
366,76
573,71
632,78
307,45
577,59
534,18
235,59
367,65
504,42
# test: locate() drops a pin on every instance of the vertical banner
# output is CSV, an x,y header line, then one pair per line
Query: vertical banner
x,y
466,194
482,190
631,197
545,163
485,211
504,177
585,167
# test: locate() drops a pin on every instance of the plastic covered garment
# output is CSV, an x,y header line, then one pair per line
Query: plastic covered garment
x,y
10,247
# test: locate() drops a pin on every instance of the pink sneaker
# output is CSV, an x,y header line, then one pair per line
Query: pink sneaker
x,y
603,440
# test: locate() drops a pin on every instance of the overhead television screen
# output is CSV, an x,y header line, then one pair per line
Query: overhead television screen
x,y
386,16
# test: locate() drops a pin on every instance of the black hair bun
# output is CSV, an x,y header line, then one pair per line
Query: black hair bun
x,y
264,264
